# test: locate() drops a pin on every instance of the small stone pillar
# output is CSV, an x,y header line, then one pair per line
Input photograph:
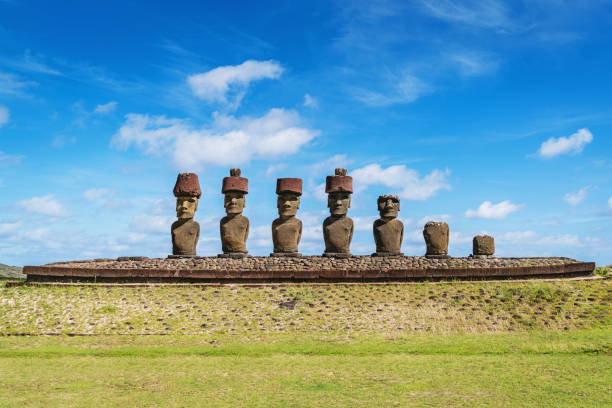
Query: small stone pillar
x,y
436,238
185,231
388,230
483,246
338,228
234,227
287,228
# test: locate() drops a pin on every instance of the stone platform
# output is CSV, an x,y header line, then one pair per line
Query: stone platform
x,y
254,269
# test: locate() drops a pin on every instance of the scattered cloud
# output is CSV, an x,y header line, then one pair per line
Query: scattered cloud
x,y
151,224
4,115
105,108
29,63
574,198
573,144
435,217
96,193
493,211
13,85
230,140
274,168
62,140
529,238
395,89
46,205
215,85
473,64
610,203
9,227
7,160
338,160
404,181
311,102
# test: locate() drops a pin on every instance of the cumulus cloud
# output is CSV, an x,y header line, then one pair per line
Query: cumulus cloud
x,y
311,102
229,141
46,205
404,181
493,211
576,197
4,115
214,85
105,108
573,144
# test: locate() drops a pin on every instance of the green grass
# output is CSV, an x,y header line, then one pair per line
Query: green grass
x,y
490,344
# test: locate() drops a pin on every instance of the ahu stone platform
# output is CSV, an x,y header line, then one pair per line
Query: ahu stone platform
x,y
255,269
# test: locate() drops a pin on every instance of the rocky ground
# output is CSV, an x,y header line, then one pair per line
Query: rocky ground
x,y
258,263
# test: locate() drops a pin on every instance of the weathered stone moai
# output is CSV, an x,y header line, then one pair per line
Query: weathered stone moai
x,y
436,238
338,228
185,231
483,246
287,228
388,230
234,227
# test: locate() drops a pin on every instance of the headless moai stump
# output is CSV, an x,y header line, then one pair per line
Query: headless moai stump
x,y
338,228
388,230
234,227
287,228
185,231
483,246
436,238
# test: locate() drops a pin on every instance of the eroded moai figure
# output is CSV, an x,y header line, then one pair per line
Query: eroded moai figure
x,y
234,227
185,231
436,238
388,230
287,229
338,228
483,246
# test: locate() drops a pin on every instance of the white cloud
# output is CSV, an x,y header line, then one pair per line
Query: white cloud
x,y
572,144
46,205
404,181
12,85
489,14
473,64
610,203
528,238
274,168
106,108
230,141
493,211
364,223
311,102
9,227
576,197
404,88
435,217
214,85
4,115
29,63
10,159
145,223
96,193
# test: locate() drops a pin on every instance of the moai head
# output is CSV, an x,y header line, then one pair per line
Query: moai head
x,y
388,206
187,192
289,191
339,189
235,188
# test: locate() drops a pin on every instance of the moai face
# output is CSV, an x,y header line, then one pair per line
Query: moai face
x,y
186,207
234,202
339,202
388,206
288,204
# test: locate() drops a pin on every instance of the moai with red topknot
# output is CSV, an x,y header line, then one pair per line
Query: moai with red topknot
x,y
338,228
234,227
287,228
185,231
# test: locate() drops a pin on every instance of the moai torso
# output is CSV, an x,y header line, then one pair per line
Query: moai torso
x,y
338,233
436,238
286,234
388,235
234,233
185,236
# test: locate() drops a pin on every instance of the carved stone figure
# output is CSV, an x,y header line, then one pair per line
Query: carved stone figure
x,y
287,229
338,228
388,230
185,231
234,227
436,238
483,246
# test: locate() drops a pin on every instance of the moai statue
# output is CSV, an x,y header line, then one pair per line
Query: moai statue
x,y
234,227
436,238
388,230
483,246
185,231
338,228
287,229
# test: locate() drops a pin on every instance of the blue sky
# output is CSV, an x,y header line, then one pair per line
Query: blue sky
x,y
493,116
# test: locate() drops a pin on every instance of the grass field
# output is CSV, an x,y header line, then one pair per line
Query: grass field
x,y
502,344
